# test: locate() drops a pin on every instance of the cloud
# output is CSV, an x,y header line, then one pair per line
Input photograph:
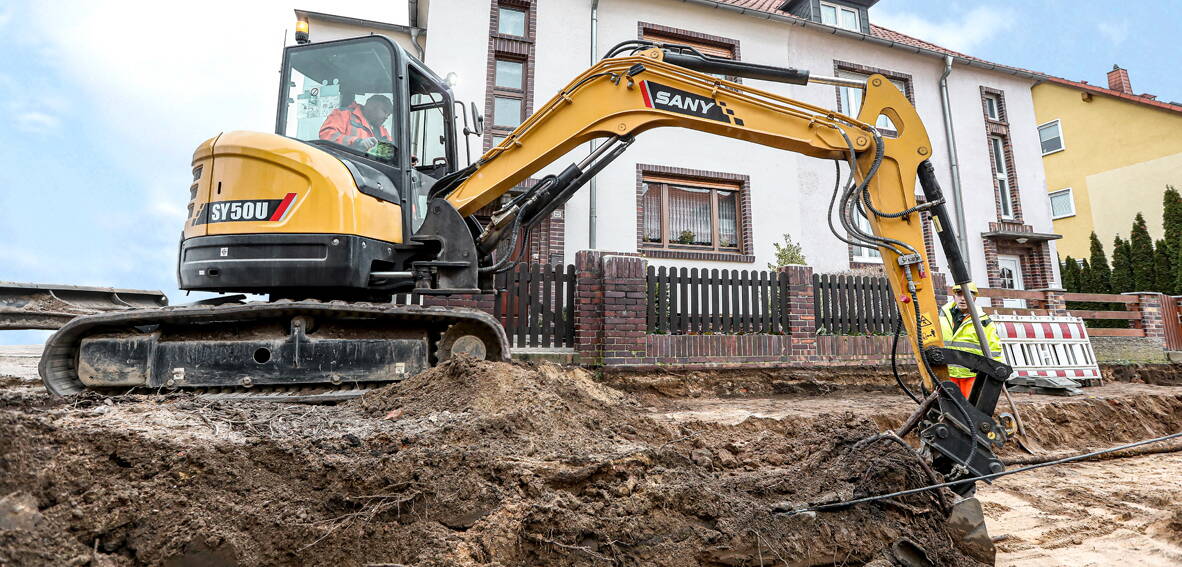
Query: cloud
x,y
36,122
964,32
137,88
1114,32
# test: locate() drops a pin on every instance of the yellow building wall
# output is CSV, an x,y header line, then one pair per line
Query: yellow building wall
x,y
1118,158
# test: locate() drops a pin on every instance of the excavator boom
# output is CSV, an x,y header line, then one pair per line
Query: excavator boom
x,y
622,97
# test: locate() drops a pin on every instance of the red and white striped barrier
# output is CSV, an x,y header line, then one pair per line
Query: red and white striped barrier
x,y
1048,346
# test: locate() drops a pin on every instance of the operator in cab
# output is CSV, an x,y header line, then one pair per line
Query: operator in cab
x,y
957,327
359,126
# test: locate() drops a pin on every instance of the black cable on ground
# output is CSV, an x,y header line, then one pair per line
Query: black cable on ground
x,y
848,503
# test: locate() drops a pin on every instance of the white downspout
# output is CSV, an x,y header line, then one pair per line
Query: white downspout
x,y
594,143
954,165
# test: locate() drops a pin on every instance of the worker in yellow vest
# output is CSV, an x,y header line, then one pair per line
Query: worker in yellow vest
x,y
957,328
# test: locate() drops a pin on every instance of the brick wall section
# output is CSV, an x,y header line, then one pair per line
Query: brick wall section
x,y
1151,315
547,240
624,309
518,48
1001,128
482,301
589,300
1038,272
1054,301
802,320
940,286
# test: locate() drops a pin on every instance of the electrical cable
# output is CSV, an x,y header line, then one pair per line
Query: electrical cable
x,y
847,503
895,362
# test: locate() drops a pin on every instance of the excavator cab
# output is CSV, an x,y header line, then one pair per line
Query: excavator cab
x,y
379,110
328,206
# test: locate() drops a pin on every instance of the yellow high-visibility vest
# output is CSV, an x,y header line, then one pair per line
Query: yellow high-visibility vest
x,y
961,335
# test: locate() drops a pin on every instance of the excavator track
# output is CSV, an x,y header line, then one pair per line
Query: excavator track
x,y
283,350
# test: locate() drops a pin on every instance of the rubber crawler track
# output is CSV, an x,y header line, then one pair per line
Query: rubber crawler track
x,y
58,367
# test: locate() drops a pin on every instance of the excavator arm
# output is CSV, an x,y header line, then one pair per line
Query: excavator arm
x,y
622,97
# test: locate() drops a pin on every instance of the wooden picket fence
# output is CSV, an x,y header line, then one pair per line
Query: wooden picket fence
x,y
536,305
687,301
853,305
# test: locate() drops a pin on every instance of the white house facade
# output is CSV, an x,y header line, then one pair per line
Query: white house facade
x,y
686,198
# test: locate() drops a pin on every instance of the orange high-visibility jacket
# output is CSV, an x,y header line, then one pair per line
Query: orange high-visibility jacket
x,y
347,125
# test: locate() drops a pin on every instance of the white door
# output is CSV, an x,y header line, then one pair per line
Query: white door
x,y
1011,278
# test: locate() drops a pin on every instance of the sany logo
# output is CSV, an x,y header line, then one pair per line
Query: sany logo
x,y
685,103
666,98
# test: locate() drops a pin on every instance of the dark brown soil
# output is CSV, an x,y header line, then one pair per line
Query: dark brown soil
x,y
472,463
1156,374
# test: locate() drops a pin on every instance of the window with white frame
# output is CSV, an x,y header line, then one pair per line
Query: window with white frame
x,y
850,100
1051,137
992,107
866,253
1002,175
1062,204
840,17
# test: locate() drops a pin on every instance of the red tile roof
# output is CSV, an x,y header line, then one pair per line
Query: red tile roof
x,y
761,5
1142,99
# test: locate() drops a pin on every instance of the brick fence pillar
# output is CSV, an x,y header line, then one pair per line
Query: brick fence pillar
x,y
625,304
802,320
940,287
1151,314
589,307
1053,301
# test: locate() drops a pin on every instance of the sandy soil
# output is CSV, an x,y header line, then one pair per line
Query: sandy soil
x,y
1119,512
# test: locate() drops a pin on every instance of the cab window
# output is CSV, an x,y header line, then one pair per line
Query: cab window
x,y
343,94
428,120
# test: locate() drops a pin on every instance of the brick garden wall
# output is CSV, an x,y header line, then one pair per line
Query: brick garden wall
x,y
611,328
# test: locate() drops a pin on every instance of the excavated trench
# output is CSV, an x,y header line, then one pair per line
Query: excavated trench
x,y
479,463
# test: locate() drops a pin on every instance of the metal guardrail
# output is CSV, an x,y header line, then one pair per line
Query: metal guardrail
x,y
47,306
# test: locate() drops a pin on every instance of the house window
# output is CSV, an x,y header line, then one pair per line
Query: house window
x,y
690,215
992,107
1051,137
708,45
511,21
866,253
509,74
509,80
840,17
1002,175
1062,204
850,101
507,111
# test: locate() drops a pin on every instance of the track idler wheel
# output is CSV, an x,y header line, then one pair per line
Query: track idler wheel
x,y
470,339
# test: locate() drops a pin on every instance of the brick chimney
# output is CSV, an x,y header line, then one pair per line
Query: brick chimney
x,y
1118,80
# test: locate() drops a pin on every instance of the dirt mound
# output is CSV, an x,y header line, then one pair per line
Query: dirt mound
x,y
1086,424
472,463
1156,374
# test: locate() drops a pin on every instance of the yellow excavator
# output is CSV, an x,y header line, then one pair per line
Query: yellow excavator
x,y
359,194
